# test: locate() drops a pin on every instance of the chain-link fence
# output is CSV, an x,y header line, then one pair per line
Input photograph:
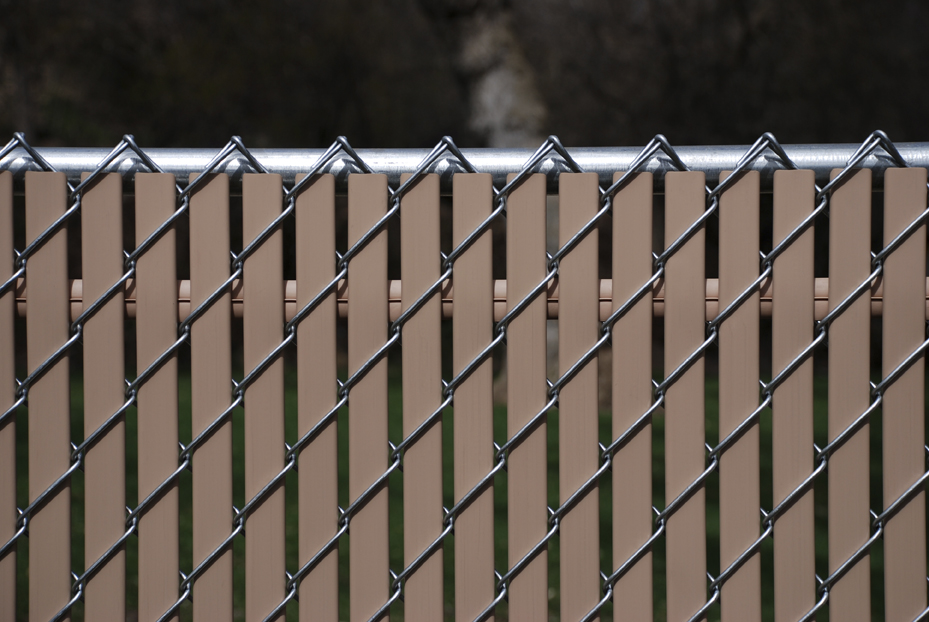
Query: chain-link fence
x,y
600,192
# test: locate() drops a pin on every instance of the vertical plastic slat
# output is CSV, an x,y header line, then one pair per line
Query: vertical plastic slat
x,y
104,393
849,342
420,261
263,320
904,403
316,395
739,471
792,410
7,397
211,374
156,330
578,330
632,394
367,422
47,323
472,325
526,395
685,310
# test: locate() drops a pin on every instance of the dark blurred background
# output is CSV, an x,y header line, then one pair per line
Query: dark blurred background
x,y
402,73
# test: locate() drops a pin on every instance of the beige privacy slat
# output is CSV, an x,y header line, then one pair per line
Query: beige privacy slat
x,y
7,396
49,422
792,409
367,420
632,394
211,374
684,401
316,395
156,330
472,325
104,392
904,402
739,470
849,393
526,395
578,330
263,321
422,393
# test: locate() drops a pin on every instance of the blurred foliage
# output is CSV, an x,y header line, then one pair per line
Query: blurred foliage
x,y
723,72
186,74
391,74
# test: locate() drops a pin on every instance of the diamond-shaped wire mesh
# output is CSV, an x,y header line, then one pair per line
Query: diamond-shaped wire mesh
x,y
767,146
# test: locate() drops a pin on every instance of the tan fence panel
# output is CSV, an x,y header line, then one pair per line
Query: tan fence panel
x,y
367,423
739,342
49,398
8,514
211,373
684,298
263,319
156,330
792,409
526,395
578,330
422,393
472,325
49,421
904,403
849,389
684,402
632,394
316,395
104,393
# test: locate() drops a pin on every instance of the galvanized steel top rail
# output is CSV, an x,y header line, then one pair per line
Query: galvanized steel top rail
x,y
604,161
